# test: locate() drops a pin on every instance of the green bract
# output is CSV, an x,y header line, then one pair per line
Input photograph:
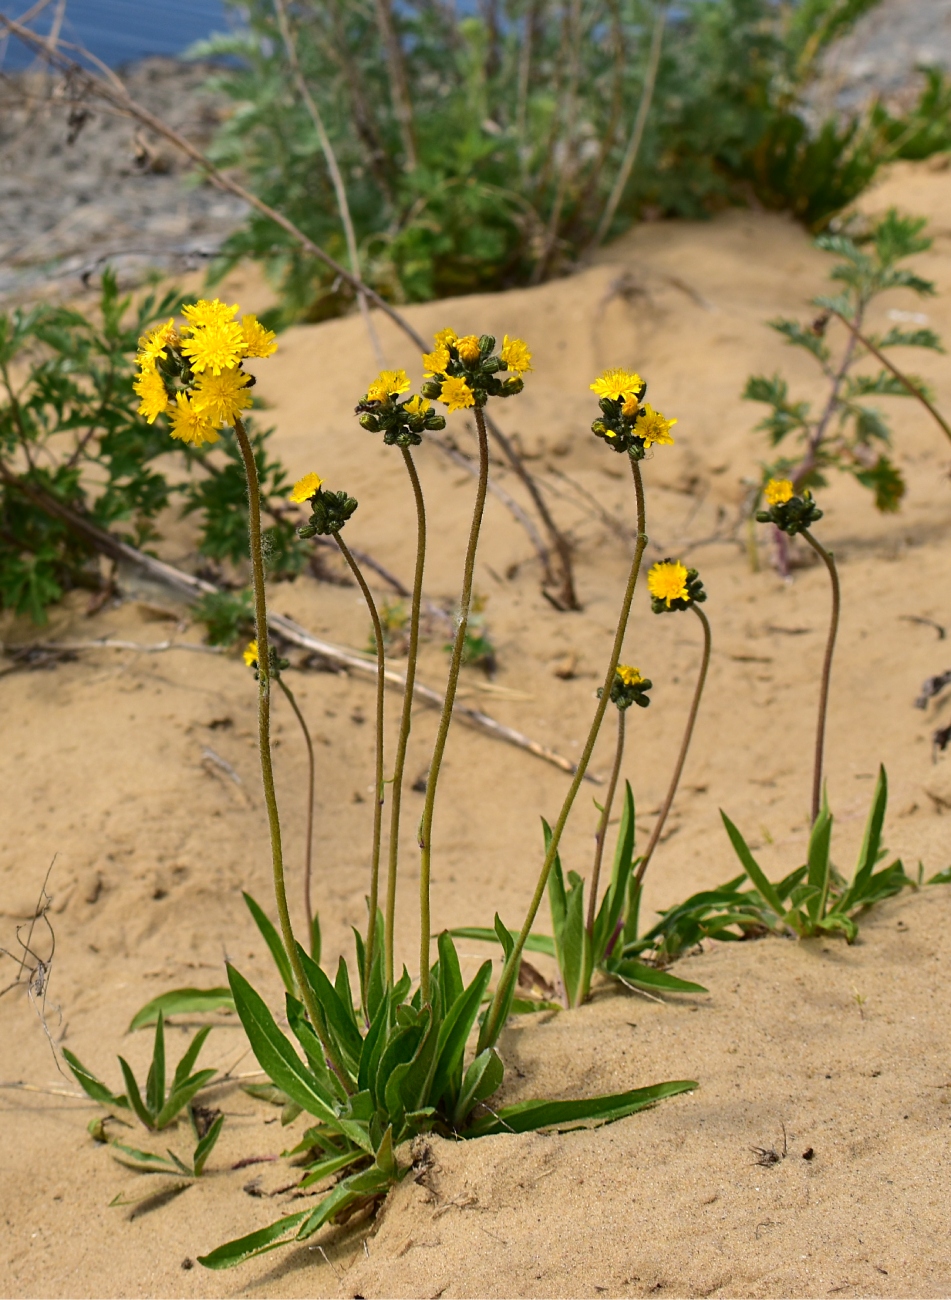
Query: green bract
x,y
329,512
792,516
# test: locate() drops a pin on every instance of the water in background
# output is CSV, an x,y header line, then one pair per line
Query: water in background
x,y
117,31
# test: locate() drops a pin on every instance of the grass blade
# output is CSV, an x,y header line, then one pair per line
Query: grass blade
x,y
534,943
155,1083
207,1144
132,1091
186,1064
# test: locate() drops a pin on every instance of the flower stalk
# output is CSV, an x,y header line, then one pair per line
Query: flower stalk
x,y
378,782
495,1017
264,741
684,747
309,837
445,717
829,562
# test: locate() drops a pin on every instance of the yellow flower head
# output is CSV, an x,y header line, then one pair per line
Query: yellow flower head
x,y
445,336
653,427
215,347
779,491
437,360
468,349
189,425
203,313
457,394
221,398
387,383
154,344
667,581
151,388
617,384
305,488
628,675
515,355
258,341
417,405
250,655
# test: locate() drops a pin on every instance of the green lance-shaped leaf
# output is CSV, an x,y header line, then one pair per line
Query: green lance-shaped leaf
x,y
650,978
273,941
135,1097
255,1243
339,1019
330,1166
752,867
818,866
609,913
526,1116
483,1078
283,1066
179,1097
871,845
92,1086
454,1034
542,943
575,944
155,1083
181,1002
206,1145
185,1065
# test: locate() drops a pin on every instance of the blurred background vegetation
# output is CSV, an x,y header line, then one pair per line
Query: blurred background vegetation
x,y
487,145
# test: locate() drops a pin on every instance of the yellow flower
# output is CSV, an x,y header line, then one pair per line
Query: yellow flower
x,y
250,655
437,360
445,336
203,313
153,345
386,383
417,405
516,355
628,675
457,394
305,488
668,581
653,427
221,398
151,388
215,347
468,349
779,491
189,425
258,341
617,384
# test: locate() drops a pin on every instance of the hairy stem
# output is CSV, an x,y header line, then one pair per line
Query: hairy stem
x,y
494,1020
406,718
445,717
309,843
684,746
264,742
602,830
378,784
826,670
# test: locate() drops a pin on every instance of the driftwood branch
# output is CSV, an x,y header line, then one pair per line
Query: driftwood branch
x,y
192,588
113,92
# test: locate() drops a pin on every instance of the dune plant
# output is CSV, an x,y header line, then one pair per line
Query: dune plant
x,y
845,433
390,1063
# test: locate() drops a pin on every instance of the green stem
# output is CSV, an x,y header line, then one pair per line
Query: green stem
x,y
406,718
494,1021
602,830
445,718
309,846
826,671
378,769
264,742
684,746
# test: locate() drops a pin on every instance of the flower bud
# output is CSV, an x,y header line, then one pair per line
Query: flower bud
x,y
435,422
370,422
486,344
431,388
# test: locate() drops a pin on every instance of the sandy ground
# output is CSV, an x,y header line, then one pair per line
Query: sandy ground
x,y
106,763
